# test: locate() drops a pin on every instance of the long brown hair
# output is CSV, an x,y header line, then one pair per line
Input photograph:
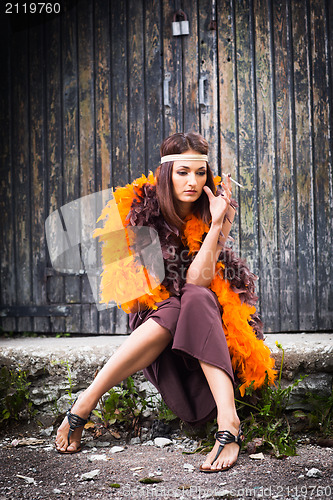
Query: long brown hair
x,y
177,144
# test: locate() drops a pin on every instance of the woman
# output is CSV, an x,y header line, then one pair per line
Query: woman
x,y
178,336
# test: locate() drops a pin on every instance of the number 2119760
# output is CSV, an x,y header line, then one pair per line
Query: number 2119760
x,y
32,8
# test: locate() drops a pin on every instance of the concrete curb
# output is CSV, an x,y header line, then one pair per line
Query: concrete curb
x,y
55,364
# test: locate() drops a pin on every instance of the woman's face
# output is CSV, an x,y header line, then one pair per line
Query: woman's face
x,y
188,179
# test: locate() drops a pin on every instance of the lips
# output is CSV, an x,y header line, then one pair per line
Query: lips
x,y
190,191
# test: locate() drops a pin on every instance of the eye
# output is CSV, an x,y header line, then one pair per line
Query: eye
x,y
181,172
202,172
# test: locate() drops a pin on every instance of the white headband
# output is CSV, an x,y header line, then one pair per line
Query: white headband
x,y
164,159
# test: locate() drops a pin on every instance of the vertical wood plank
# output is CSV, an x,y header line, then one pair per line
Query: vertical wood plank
x,y
37,159
329,28
53,159
88,309
329,59
268,270
86,98
119,69
89,318
173,114
286,220
21,168
103,94
71,148
228,118
207,51
153,63
305,203
247,146
86,95
120,112
7,276
136,90
190,69
322,178
103,115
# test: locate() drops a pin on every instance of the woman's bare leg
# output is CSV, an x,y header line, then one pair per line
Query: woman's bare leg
x,y
227,419
138,351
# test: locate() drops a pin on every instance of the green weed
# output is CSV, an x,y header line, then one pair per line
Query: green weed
x,y
122,405
265,420
320,417
69,378
14,394
164,413
11,334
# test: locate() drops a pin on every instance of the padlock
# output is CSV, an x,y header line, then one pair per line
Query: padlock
x,y
175,26
184,25
180,27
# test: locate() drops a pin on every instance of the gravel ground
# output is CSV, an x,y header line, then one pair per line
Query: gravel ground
x,y
39,472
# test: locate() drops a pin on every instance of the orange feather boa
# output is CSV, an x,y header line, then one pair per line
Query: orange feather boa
x,y
123,278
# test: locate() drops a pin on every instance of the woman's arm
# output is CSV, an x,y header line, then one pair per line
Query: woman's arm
x,y
202,270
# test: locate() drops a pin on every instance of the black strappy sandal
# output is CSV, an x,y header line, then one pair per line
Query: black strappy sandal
x,y
74,423
225,437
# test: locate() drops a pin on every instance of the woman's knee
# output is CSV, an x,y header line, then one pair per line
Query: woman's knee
x,y
197,293
199,299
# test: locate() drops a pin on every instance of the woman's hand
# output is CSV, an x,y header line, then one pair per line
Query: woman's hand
x,y
219,205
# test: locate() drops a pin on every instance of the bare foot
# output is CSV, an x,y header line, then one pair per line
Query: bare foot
x,y
228,455
61,442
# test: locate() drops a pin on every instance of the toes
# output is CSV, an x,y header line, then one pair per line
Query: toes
x,y
61,443
216,465
224,461
73,446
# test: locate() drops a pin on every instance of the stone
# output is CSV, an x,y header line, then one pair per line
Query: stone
x,y
147,413
117,449
135,440
102,444
93,448
160,429
310,351
161,442
148,443
189,467
27,479
93,458
257,456
88,476
47,432
223,494
314,473
30,441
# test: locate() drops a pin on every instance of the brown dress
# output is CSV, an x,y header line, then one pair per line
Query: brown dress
x,y
194,321
192,314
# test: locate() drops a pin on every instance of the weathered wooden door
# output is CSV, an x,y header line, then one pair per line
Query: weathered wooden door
x,y
89,94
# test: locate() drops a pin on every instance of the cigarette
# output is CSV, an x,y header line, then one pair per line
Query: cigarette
x,y
235,182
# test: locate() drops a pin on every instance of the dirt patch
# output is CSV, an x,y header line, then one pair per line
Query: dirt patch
x,y
39,472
